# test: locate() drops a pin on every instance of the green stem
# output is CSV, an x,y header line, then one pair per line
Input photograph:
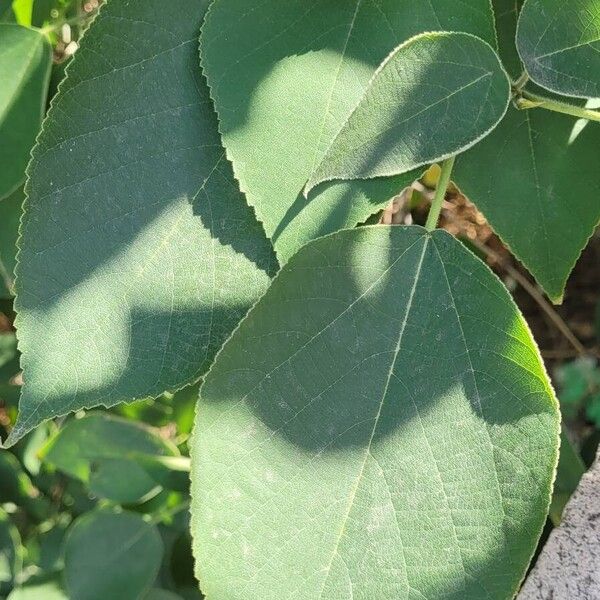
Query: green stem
x,y
521,82
161,516
440,194
527,100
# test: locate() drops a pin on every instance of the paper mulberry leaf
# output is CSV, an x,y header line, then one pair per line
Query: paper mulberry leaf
x,y
559,42
285,75
379,426
433,97
138,253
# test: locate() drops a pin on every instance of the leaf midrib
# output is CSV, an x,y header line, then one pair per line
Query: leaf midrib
x,y
356,486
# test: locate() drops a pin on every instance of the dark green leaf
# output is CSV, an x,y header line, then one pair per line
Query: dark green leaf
x,y
433,97
10,215
18,489
569,473
158,594
286,75
544,212
138,254
10,552
507,14
379,426
9,369
111,555
102,451
25,60
559,42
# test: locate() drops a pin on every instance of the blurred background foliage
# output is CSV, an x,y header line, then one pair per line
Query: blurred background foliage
x,y
95,505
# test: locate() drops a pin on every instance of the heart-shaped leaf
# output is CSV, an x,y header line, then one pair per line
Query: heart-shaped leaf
x,y
111,555
434,96
25,61
547,209
559,42
138,253
379,426
285,75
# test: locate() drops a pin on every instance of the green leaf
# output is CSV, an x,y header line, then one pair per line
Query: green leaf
x,y
379,426
107,453
434,96
25,61
6,11
287,84
507,13
10,215
9,368
23,10
111,555
18,489
10,552
559,42
46,589
158,594
570,471
544,212
138,253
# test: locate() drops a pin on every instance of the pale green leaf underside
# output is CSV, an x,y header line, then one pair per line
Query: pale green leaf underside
x,y
111,555
379,426
138,254
286,74
25,61
559,42
548,208
434,96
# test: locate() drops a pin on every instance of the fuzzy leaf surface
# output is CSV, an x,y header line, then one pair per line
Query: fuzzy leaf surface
x,y
285,75
433,97
548,207
379,426
138,253
559,43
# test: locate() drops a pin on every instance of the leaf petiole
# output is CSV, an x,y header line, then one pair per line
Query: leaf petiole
x,y
527,100
440,194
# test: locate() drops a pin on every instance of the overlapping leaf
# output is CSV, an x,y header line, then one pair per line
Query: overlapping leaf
x,y
536,179
111,555
379,426
138,254
559,42
10,552
10,214
106,453
433,97
25,60
285,75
